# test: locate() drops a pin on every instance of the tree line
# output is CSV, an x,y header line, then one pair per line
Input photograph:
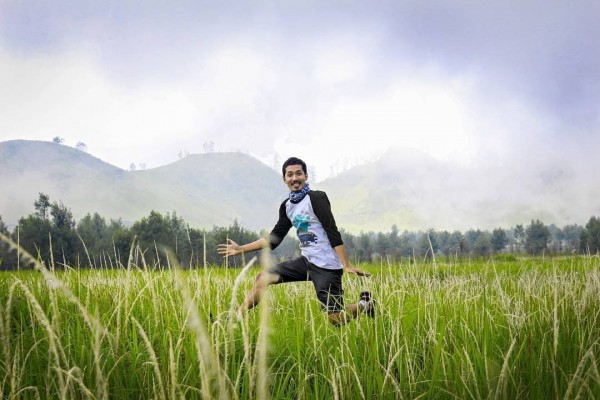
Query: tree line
x,y
52,235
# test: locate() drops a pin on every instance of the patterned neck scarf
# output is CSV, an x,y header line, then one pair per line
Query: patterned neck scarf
x,y
297,196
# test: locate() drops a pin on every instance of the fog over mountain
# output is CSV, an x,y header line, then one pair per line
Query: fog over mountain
x,y
416,191
334,82
405,187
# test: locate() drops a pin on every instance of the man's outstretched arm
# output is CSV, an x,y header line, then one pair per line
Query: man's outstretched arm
x,y
231,248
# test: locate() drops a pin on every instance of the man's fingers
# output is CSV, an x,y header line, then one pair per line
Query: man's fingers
x,y
227,249
224,249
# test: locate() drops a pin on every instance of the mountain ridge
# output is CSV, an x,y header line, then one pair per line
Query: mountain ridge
x,y
86,184
404,187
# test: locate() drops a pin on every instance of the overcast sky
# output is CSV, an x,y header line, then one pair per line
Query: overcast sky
x,y
334,82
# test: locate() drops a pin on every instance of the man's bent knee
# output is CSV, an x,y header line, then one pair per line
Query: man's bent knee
x,y
266,278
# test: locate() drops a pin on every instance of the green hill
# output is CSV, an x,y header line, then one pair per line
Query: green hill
x,y
216,188
417,192
206,190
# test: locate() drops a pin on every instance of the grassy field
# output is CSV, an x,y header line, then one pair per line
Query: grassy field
x,y
501,328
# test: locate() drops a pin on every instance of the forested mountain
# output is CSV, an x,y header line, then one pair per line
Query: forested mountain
x,y
404,188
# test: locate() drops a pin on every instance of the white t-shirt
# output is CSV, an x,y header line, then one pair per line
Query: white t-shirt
x,y
315,228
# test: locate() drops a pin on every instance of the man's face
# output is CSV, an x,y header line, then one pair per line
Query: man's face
x,y
294,177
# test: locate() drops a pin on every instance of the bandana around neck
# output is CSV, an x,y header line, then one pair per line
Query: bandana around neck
x,y
297,196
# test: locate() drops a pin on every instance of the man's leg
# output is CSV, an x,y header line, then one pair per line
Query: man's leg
x,y
287,271
328,285
351,311
261,283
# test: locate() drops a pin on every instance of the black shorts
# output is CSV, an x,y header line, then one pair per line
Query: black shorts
x,y
328,282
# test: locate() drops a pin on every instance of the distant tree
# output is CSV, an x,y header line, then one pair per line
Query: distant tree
x,y
143,166
34,236
93,232
456,243
197,240
394,243
132,167
3,228
122,240
571,237
62,217
590,236
183,154
519,233
499,239
153,228
158,232
483,245
349,243
443,238
42,205
81,146
382,244
58,140
65,244
408,244
470,238
394,233
537,236
236,233
364,249
5,254
555,242
428,244
48,238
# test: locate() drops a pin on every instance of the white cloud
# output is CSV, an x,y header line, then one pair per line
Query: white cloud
x,y
420,115
67,95
335,86
340,58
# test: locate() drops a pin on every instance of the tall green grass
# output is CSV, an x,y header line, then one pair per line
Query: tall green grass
x,y
502,329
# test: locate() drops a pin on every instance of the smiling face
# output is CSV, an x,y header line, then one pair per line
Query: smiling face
x,y
294,177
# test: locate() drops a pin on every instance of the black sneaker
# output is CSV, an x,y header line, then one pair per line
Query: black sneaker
x,y
370,304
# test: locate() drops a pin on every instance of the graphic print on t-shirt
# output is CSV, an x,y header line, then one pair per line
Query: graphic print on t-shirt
x,y
301,223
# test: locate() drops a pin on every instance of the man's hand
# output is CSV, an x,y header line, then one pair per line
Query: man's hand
x,y
229,249
356,271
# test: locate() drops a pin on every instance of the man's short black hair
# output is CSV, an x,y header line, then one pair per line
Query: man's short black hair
x,y
293,161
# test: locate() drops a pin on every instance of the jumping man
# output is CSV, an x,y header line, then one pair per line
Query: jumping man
x,y
323,255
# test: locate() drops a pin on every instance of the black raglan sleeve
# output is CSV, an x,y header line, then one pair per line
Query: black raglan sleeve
x,y
322,208
281,228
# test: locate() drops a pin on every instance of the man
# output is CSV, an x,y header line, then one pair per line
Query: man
x,y
323,257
